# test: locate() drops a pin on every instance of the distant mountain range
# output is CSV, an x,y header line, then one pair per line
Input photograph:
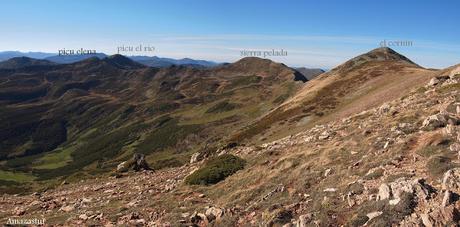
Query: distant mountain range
x,y
67,59
6,55
145,60
21,62
166,62
16,59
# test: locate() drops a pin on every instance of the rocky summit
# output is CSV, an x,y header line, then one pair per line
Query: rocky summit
x,y
372,142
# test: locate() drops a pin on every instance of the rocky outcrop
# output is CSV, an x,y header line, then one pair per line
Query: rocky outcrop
x,y
442,210
195,157
439,120
437,80
214,213
451,180
446,216
394,191
211,215
137,163
121,167
443,80
140,163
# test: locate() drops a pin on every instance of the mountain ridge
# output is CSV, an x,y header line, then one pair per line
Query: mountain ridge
x,y
374,144
151,61
20,62
146,60
376,55
353,78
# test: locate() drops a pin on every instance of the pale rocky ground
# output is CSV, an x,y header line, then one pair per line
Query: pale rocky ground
x,y
366,169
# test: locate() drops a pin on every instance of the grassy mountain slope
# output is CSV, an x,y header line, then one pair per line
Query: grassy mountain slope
x,y
361,83
83,119
392,164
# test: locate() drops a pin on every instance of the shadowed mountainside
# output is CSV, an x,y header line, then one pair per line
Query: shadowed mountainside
x,y
21,62
309,73
86,117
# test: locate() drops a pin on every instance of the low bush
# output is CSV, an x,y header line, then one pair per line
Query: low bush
x,y
438,165
429,151
216,169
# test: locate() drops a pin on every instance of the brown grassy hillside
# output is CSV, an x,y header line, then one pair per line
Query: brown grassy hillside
x,y
363,82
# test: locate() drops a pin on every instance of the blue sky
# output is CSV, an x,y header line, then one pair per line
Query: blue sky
x,y
314,33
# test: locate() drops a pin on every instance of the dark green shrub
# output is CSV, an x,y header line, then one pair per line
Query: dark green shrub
x,y
216,169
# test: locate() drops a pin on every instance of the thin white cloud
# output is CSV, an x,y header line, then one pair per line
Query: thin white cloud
x,y
324,51
248,37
